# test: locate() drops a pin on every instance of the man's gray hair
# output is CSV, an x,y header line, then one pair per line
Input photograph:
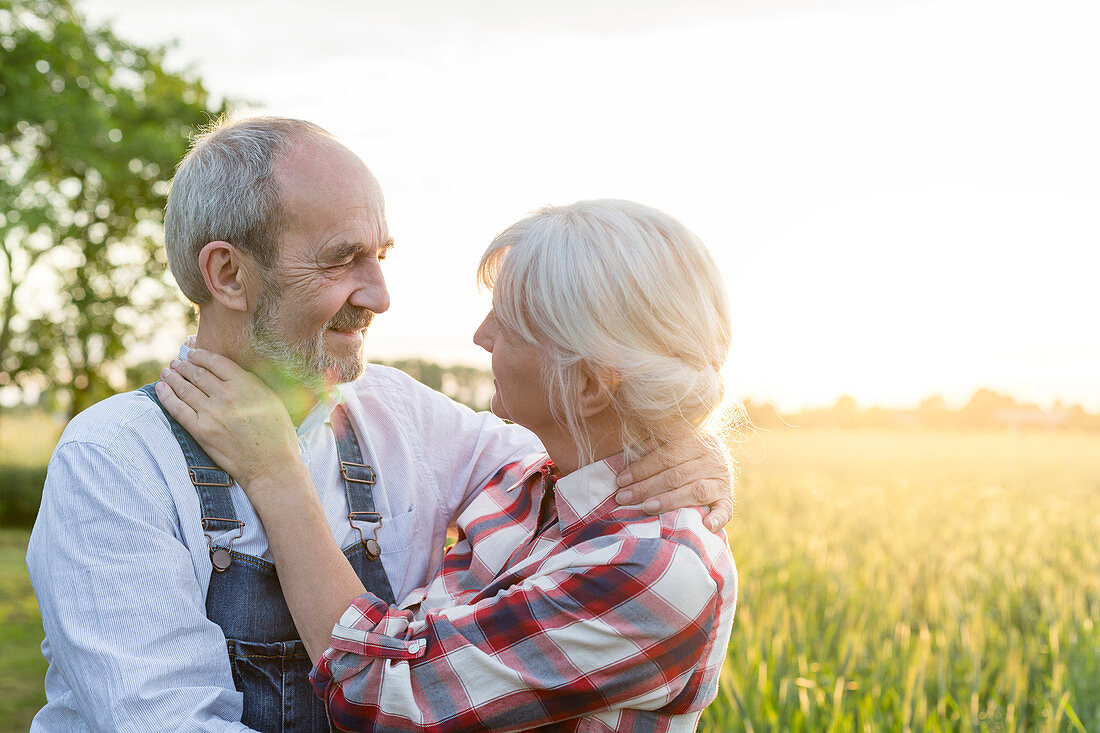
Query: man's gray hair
x,y
225,190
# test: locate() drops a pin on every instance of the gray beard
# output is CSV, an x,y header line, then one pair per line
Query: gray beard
x,y
307,362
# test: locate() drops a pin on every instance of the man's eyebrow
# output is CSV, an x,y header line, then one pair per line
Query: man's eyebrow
x,y
347,250
344,251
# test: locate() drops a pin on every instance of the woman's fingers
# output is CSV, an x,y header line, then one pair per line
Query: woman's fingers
x,y
230,384
197,375
220,366
184,389
183,413
240,423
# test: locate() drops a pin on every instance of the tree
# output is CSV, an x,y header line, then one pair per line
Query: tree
x,y
933,413
845,412
91,128
981,411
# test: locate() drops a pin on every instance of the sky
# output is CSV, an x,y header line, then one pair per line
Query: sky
x,y
903,195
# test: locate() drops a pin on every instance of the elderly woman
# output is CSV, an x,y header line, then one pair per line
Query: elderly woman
x,y
556,606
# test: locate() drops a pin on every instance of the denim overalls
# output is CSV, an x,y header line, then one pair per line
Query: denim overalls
x,y
269,661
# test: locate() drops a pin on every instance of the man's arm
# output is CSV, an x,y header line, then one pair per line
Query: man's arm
x,y
120,602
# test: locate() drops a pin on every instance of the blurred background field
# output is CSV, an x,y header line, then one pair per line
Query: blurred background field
x,y
891,580
916,580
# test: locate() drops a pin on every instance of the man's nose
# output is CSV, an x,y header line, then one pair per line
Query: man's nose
x,y
371,292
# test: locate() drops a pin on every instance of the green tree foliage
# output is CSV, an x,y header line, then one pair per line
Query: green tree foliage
x,y
91,128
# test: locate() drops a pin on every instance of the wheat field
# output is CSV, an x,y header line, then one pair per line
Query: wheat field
x,y
915,582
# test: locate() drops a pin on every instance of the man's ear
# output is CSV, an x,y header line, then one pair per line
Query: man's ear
x,y
227,272
597,392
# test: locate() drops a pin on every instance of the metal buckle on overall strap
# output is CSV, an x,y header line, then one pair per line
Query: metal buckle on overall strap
x,y
374,550
356,476
221,557
192,471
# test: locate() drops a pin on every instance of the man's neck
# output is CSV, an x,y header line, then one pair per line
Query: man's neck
x,y
297,397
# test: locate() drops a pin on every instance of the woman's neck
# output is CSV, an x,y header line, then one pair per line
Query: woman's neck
x,y
603,434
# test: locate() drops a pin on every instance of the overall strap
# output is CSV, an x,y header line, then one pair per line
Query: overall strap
x,y
211,483
359,479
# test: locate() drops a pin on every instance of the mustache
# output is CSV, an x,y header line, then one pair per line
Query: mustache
x,y
351,318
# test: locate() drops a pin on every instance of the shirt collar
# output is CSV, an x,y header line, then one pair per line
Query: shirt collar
x,y
581,496
321,413
526,467
315,418
588,492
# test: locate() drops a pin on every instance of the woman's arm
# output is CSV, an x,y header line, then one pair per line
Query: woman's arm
x,y
245,428
620,622
317,581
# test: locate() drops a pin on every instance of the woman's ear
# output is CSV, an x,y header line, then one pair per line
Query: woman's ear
x,y
596,393
225,270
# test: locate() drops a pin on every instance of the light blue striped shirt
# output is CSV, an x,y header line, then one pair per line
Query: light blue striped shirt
x,y
120,564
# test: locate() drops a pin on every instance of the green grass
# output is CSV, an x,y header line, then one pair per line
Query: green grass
x,y
916,581
22,667
889,582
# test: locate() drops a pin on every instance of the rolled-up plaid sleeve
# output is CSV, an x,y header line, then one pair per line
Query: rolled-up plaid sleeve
x,y
614,621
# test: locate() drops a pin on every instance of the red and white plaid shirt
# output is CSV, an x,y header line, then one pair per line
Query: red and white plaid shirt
x,y
607,619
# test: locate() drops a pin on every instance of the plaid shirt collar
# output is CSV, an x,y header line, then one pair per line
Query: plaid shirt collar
x,y
580,497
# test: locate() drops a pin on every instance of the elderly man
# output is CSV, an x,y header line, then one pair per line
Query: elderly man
x,y
160,603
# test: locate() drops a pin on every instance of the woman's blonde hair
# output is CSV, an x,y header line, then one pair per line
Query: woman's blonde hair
x,y
626,294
